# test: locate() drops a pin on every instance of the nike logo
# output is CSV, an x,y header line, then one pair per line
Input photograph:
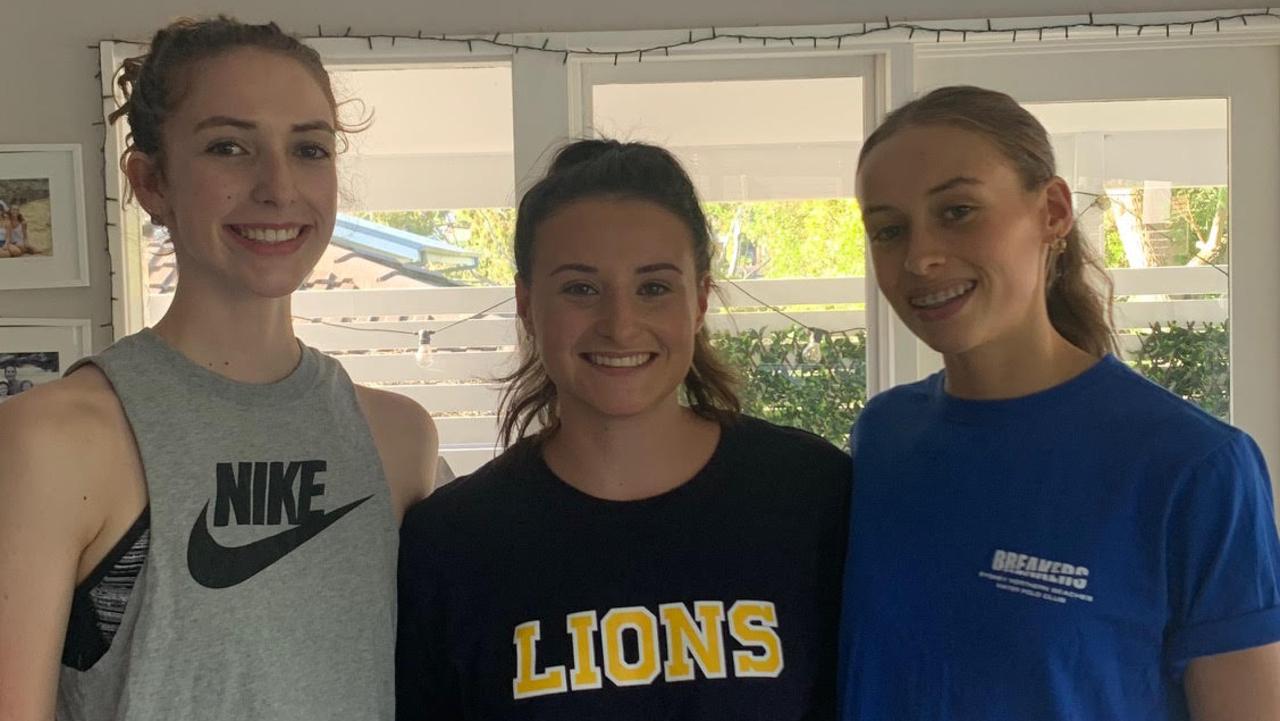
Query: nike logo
x,y
216,566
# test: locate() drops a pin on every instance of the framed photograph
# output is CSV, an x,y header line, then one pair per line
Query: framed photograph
x,y
38,350
42,231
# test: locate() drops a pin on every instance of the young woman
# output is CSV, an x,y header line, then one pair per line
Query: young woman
x,y
7,246
18,230
636,557
213,505
1038,532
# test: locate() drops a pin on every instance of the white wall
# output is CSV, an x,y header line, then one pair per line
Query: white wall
x,y
47,67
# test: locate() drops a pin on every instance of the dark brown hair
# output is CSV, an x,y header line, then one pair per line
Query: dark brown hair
x,y
154,84
1078,289
611,169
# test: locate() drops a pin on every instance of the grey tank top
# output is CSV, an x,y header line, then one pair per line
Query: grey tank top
x,y
268,591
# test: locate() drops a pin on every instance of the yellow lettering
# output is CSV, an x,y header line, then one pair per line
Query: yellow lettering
x,y
586,674
528,681
641,621
752,624
687,642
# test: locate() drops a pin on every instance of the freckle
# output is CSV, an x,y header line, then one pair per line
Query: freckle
x,y
84,498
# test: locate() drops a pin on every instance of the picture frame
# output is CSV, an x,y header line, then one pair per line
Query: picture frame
x,y
42,217
34,351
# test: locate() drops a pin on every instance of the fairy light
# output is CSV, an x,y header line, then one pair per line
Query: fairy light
x,y
812,353
423,355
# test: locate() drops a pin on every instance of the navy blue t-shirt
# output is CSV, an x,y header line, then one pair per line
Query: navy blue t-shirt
x,y
1057,556
522,598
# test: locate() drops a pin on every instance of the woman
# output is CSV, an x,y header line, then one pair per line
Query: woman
x,y
213,505
7,246
18,230
633,557
1039,532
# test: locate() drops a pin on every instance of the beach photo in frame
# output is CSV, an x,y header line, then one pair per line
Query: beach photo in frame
x,y
38,350
42,227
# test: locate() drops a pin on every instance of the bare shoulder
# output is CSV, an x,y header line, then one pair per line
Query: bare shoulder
x,y
407,443
69,423
67,471
62,440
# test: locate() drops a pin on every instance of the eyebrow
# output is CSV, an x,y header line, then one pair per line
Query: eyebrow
x,y
655,267
581,268
216,121
958,181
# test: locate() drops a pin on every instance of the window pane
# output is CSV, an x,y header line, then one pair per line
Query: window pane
x,y
774,162
442,181
1152,177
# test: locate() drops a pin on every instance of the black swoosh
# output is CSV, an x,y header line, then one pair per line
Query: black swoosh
x,y
216,566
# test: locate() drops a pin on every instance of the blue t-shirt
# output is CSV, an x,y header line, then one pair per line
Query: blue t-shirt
x,y
1057,556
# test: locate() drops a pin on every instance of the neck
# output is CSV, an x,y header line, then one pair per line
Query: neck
x,y
249,340
1015,367
626,459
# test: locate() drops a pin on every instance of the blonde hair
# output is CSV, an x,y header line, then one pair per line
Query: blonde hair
x,y
1078,294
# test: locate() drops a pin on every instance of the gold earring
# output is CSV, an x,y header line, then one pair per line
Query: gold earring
x,y
1059,245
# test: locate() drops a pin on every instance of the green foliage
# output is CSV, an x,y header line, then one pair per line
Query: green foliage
x,y
1193,361
790,238
823,397
776,239
487,230
1194,210
1191,214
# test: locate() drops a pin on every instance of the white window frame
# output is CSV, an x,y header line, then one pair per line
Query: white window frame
x,y
865,62
547,109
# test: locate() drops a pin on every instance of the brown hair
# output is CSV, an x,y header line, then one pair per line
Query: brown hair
x,y
1078,292
153,84
611,169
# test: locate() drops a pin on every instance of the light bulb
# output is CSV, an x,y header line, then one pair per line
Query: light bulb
x,y
812,352
423,354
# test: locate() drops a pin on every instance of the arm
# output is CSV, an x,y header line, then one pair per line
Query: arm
x,y
407,443
1238,686
1224,574
50,512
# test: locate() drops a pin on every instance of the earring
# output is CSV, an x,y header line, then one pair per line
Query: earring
x,y
1059,245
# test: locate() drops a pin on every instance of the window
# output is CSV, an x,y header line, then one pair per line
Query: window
x,y
772,147
1152,192
770,136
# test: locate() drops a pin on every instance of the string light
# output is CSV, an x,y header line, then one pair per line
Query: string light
x,y
812,352
716,35
423,355
692,38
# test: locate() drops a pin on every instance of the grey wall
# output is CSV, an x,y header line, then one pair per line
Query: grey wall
x,y
47,67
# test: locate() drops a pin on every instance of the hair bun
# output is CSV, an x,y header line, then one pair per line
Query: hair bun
x,y
583,151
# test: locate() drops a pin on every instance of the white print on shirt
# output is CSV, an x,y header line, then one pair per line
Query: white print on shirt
x,y
1041,578
696,639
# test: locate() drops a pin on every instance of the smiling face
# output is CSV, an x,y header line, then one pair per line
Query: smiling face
x,y
958,243
248,188
613,304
